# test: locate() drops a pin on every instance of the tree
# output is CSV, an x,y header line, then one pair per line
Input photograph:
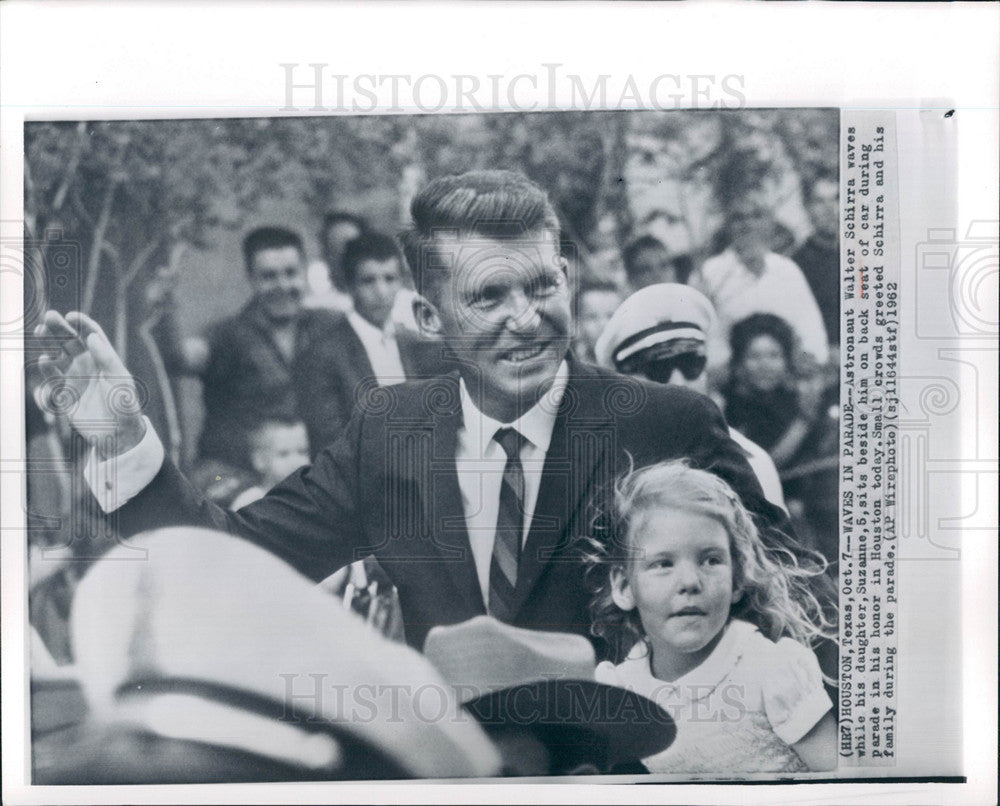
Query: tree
x,y
107,204
130,196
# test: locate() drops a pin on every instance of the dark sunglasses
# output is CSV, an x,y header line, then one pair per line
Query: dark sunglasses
x,y
691,366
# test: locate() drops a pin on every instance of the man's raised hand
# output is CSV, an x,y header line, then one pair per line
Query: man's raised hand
x,y
80,376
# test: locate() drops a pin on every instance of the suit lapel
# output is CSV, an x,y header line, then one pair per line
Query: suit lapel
x,y
443,511
359,366
409,354
265,332
579,460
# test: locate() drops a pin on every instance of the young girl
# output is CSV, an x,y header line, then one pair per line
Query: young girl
x,y
715,626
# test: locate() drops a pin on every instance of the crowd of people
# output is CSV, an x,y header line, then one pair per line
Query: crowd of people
x,y
436,479
762,339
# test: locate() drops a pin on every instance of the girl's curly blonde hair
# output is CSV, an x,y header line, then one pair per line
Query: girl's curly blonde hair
x,y
777,583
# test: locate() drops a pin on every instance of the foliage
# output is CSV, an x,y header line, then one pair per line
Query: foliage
x,y
131,196
130,191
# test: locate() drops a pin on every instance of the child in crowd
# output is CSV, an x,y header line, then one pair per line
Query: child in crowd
x,y
714,627
277,449
596,302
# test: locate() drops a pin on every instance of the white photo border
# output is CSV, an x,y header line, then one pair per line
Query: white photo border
x,y
156,59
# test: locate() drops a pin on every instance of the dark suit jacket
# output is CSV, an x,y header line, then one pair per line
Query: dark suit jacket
x,y
820,263
335,376
248,380
389,486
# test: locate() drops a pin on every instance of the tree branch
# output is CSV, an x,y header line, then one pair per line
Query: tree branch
x,y
97,248
30,200
111,251
80,208
175,433
74,161
140,260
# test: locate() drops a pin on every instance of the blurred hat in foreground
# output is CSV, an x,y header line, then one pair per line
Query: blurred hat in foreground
x,y
654,315
519,681
217,661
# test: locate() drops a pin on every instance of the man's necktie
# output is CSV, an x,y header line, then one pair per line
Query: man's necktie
x,y
510,525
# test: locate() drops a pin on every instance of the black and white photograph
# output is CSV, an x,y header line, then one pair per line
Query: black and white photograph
x,y
561,382
494,444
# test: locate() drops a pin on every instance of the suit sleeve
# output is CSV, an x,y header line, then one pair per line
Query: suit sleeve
x,y
224,356
311,520
322,405
326,380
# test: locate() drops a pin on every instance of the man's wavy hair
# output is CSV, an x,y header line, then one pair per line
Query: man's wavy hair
x,y
502,205
776,582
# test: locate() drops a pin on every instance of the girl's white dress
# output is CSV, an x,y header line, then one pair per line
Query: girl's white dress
x,y
740,710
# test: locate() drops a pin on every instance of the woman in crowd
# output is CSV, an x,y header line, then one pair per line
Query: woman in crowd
x,y
795,419
762,398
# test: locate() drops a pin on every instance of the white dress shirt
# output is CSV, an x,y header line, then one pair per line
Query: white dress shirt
x,y
321,293
480,461
781,289
116,481
381,348
761,464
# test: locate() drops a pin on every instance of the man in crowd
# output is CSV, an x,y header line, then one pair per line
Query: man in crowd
x,y
659,333
819,256
327,286
749,278
250,366
366,348
328,279
647,262
470,489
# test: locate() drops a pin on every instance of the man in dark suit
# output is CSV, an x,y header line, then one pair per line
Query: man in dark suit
x,y
365,348
819,256
251,364
470,489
